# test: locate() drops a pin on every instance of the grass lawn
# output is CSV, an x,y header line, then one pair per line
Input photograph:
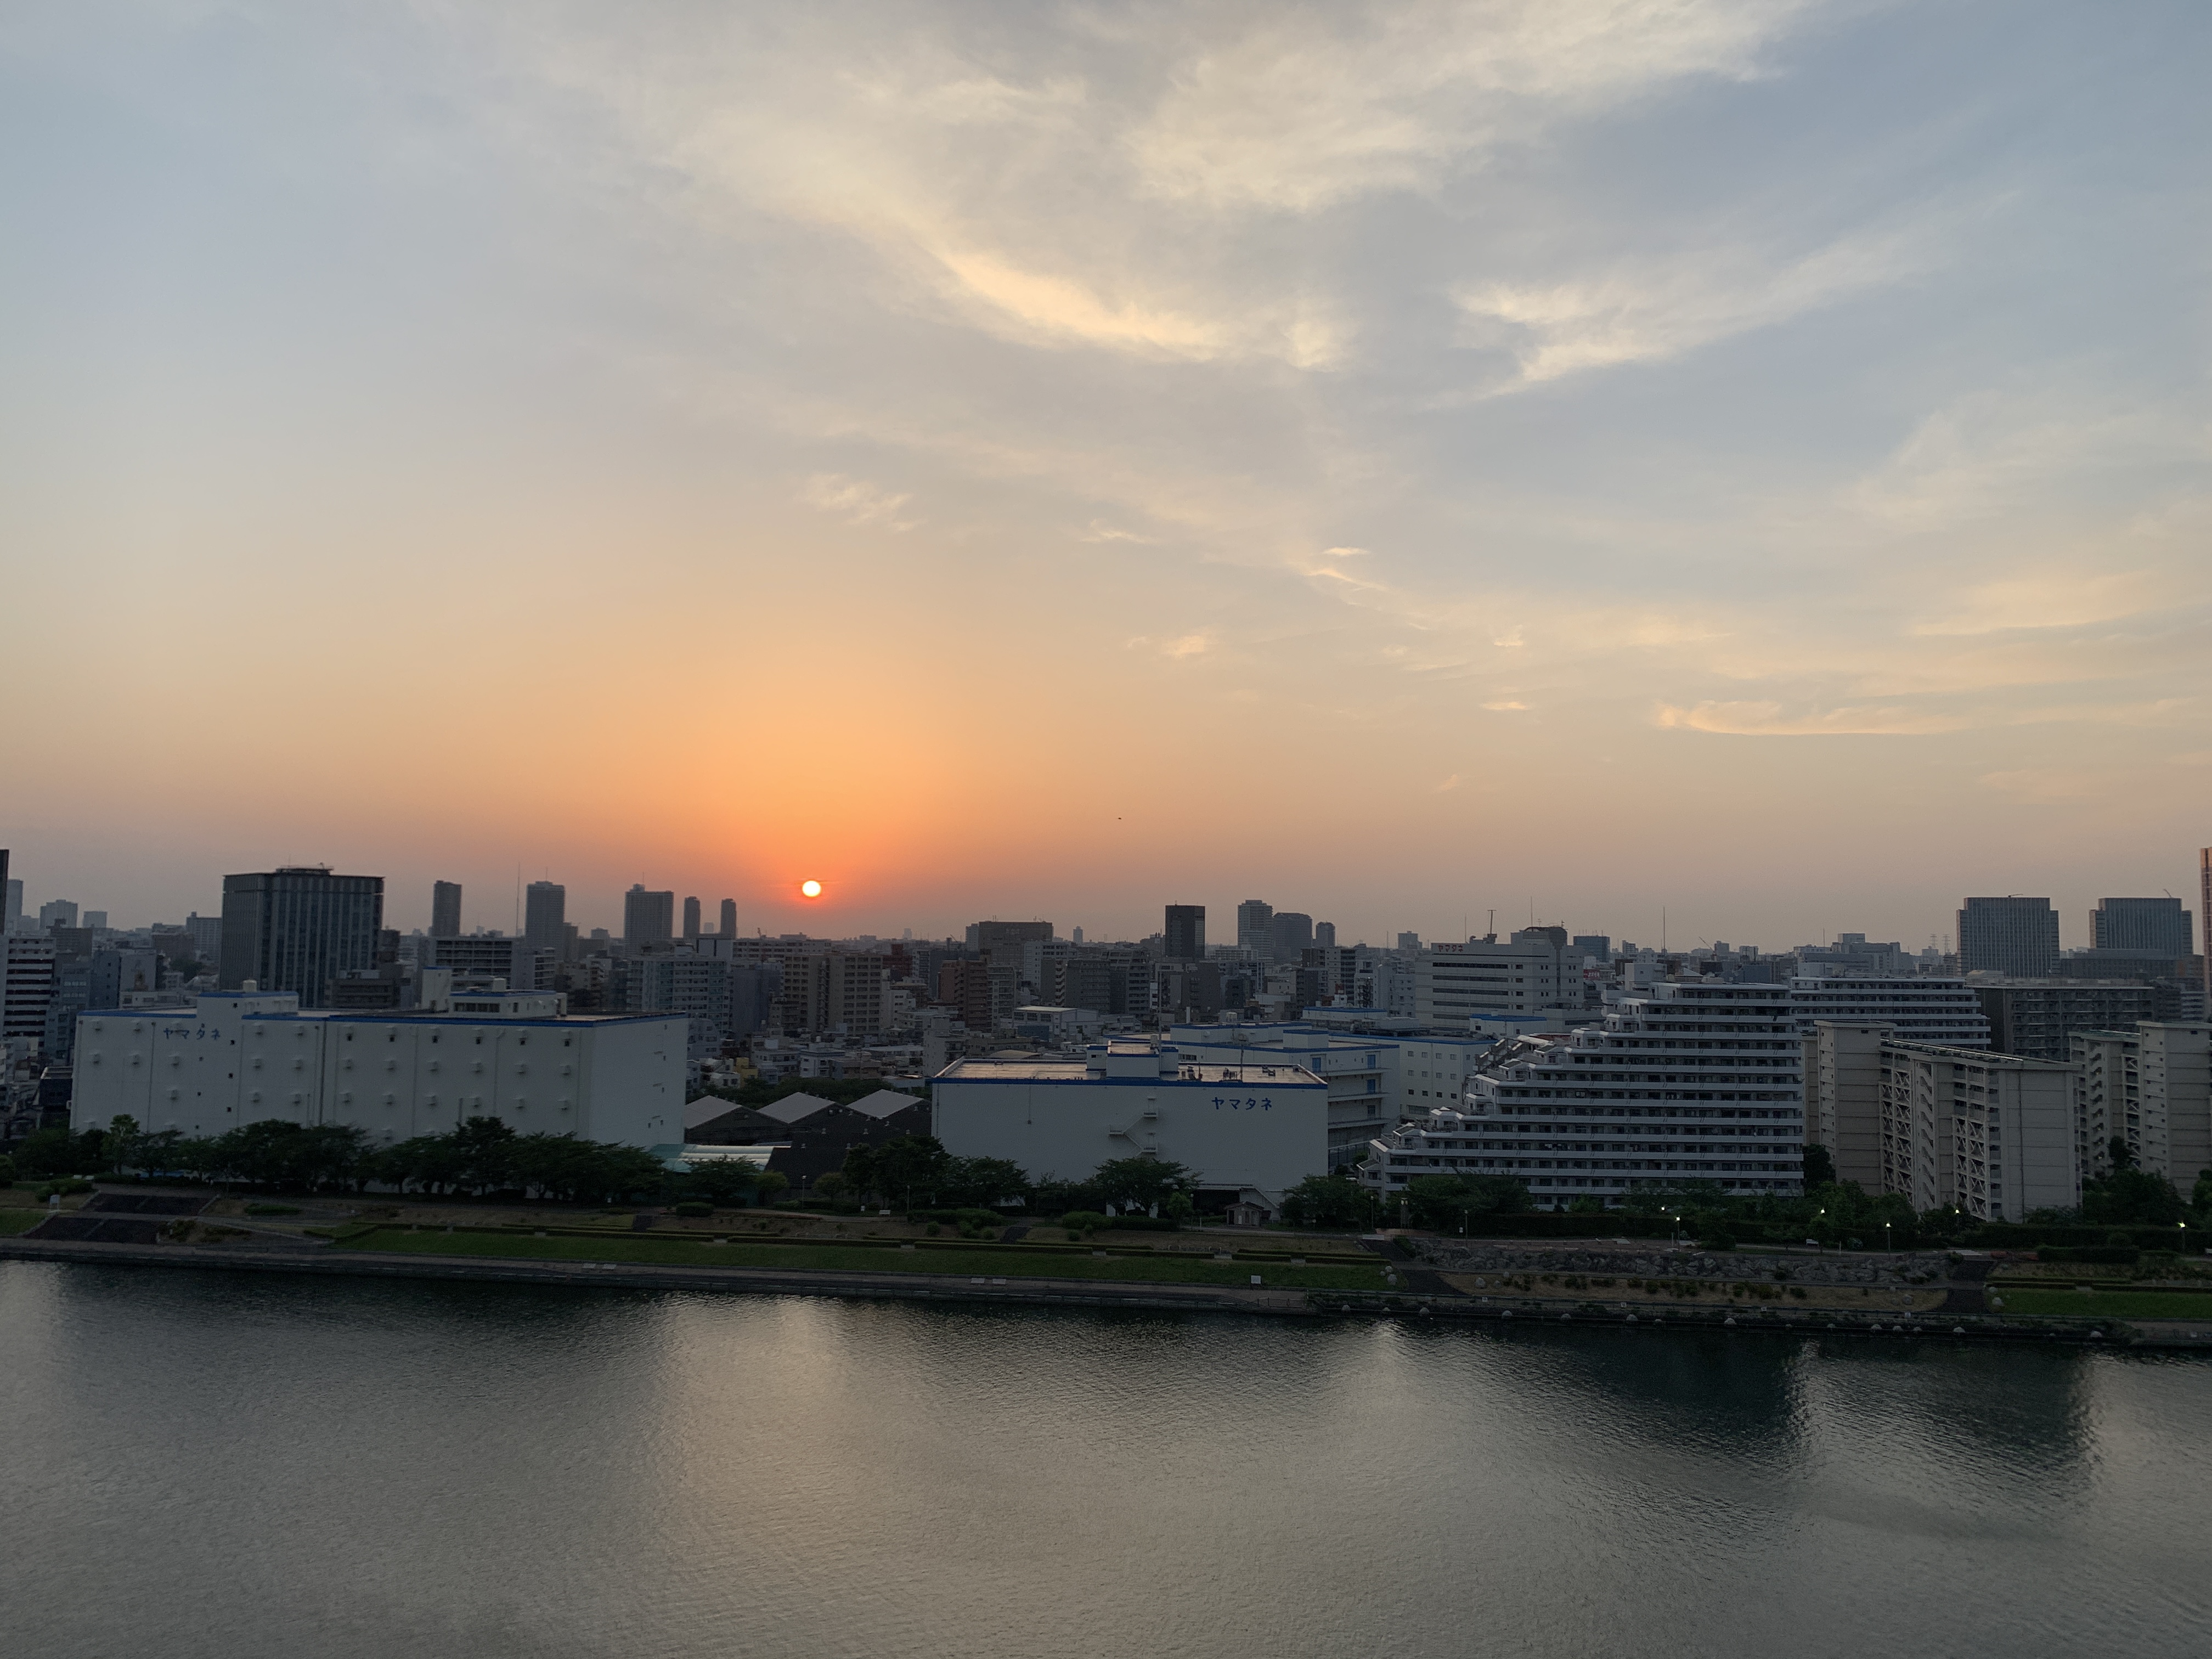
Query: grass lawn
x,y
20,1219
2109,1304
674,1252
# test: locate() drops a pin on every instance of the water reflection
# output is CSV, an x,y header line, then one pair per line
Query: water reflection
x,y
244,1465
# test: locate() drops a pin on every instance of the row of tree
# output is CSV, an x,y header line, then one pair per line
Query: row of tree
x,y
481,1156
915,1172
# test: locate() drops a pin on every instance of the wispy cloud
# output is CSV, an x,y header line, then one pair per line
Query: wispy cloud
x,y
857,501
1655,312
1769,719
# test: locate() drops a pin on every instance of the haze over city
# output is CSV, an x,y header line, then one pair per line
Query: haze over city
x,y
1749,459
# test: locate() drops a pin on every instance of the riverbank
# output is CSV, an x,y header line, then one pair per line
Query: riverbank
x,y
1005,1287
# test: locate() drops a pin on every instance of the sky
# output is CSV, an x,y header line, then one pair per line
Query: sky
x,y
1401,462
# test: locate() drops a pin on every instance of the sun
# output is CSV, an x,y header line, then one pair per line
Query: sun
x,y
809,889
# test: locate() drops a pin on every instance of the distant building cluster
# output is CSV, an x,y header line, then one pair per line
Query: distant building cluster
x,y
1995,1073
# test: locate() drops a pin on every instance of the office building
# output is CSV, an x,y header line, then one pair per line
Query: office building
x,y
1290,934
729,919
1255,927
26,986
1409,943
1324,935
2035,1018
298,928
1597,946
206,935
57,913
1916,1010
1695,1081
242,1058
2015,936
1989,1133
2149,1085
1533,971
2154,928
444,910
1248,1133
1002,942
649,920
692,922
545,918
1184,937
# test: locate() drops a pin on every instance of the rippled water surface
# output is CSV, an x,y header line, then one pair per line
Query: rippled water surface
x,y
201,1464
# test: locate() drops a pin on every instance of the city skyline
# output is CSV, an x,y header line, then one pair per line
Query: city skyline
x,y
1744,459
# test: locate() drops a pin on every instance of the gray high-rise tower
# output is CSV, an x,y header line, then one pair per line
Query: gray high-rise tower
x,y
444,910
297,928
729,918
2153,926
648,918
546,917
2010,935
1255,927
691,919
1185,939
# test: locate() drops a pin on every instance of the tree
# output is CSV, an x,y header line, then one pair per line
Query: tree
x,y
118,1148
1140,1182
485,1148
981,1183
833,1186
2200,1196
1325,1200
2130,1196
1819,1167
906,1172
1446,1203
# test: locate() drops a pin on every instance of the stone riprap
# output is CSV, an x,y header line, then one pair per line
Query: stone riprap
x,y
1449,1255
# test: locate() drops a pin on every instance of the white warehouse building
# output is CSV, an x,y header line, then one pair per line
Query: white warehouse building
x,y
243,1056
1253,1131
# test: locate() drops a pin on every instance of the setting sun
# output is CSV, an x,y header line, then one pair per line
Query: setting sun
x,y
809,889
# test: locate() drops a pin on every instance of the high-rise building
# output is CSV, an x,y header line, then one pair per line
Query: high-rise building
x,y
95,921
1185,936
27,985
1483,980
545,918
1409,943
57,913
206,935
2037,1017
1914,1009
1325,935
11,898
1254,921
298,928
1289,933
1592,944
444,910
2156,927
729,919
2204,897
691,919
648,918
2010,935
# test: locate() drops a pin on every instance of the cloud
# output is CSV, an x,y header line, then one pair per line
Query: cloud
x,y
856,501
1181,646
1655,312
1505,705
1313,107
1099,531
1449,784
1766,720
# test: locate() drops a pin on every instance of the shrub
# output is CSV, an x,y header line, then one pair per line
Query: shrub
x,y
272,1209
2119,1255
693,1206
932,1230
1081,1222
67,1187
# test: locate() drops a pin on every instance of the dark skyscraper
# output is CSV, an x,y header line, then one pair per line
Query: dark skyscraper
x,y
648,918
296,929
691,919
729,918
1255,918
1289,932
1186,932
2011,935
545,918
2155,927
444,910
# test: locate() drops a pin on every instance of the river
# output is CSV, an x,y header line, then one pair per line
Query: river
x,y
239,1466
